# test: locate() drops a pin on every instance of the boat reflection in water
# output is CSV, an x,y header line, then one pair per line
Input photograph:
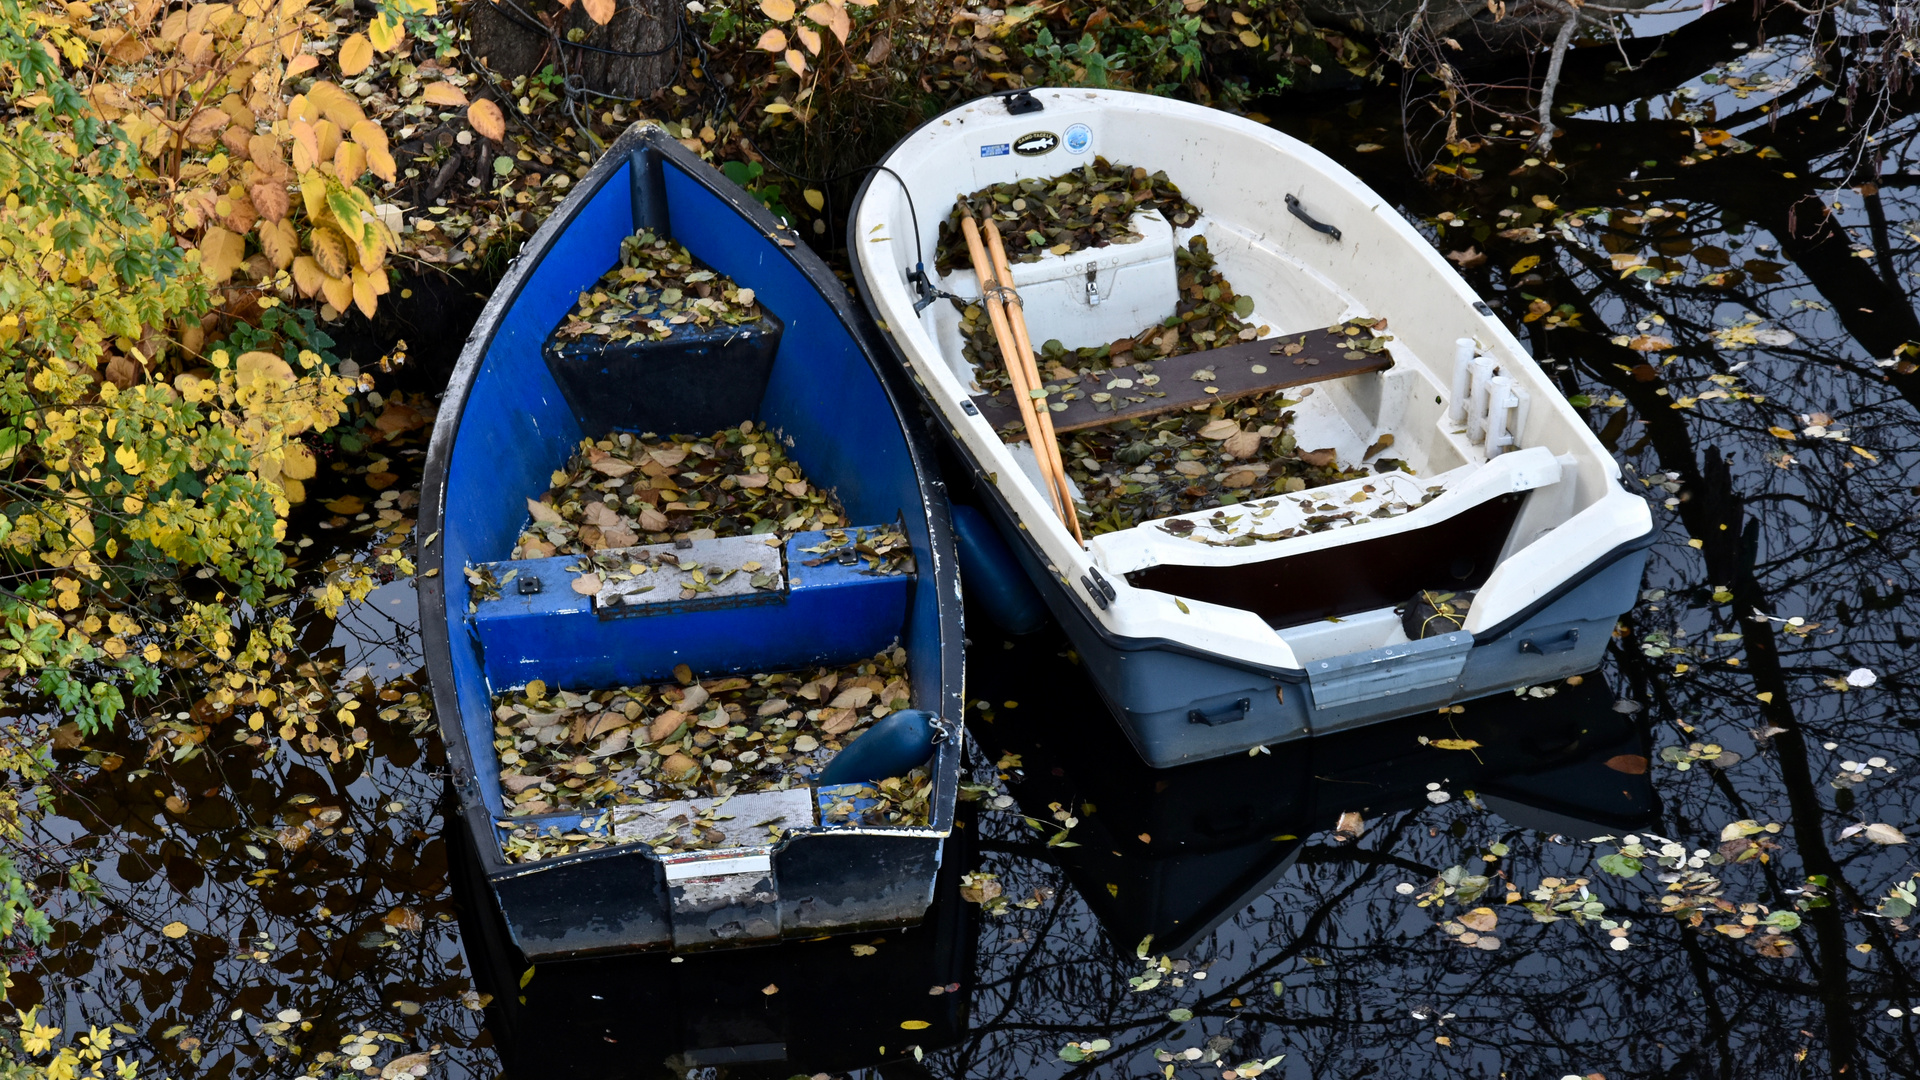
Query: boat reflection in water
x,y
1175,852
1168,852
829,1005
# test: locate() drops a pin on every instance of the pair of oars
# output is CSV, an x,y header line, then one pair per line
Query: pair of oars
x,y
1016,349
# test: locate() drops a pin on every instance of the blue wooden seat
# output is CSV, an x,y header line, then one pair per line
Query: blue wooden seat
x,y
737,604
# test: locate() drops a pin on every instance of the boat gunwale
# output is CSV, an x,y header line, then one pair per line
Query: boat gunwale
x,y
436,633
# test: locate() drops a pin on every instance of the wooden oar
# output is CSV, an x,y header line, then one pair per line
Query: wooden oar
x,y
990,288
1045,443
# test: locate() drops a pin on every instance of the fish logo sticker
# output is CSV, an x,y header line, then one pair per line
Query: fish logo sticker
x,y
994,150
1035,143
1079,138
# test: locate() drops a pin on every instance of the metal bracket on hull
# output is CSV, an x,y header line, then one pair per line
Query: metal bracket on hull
x,y
1430,664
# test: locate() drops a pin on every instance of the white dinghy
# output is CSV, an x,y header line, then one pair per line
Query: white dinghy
x,y
1371,500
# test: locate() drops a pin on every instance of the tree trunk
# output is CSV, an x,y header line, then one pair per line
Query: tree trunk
x,y
505,40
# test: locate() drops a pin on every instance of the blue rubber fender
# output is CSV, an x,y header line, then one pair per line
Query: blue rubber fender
x,y
989,570
894,746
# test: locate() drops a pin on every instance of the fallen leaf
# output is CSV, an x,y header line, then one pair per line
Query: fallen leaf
x,y
587,584
600,11
346,504
1631,764
443,93
407,1066
355,54
1319,459
175,930
487,119
1480,919
1454,744
1885,834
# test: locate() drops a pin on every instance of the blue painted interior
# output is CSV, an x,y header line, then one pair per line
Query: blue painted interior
x,y
824,397
828,614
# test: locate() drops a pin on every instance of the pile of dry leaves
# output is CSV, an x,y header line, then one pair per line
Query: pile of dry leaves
x,y
587,751
656,286
629,489
1090,207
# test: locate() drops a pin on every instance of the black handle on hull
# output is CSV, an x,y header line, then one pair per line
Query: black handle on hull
x,y
1566,643
1224,715
1293,207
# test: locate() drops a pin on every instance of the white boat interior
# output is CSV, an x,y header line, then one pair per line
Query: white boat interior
x,y
1473,418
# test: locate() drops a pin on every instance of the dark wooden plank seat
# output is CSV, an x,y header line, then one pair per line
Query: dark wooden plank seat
x,y
1239,370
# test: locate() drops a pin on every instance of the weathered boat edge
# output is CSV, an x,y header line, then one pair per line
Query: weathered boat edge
x,y
939,570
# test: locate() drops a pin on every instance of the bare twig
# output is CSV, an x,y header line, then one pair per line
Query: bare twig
x,y
1543,139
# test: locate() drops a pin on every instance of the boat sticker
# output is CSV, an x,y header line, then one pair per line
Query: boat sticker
x,y
994,150
1079,137
1035,143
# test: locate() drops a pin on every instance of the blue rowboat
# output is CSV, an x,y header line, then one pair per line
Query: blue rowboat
x,y
761,865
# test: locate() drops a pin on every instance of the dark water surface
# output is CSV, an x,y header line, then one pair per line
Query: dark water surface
x,y
1319,903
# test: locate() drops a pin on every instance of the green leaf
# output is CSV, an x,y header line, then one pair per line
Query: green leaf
x,y
1620,865
1181,1015
1784,920
1243,306
1579,401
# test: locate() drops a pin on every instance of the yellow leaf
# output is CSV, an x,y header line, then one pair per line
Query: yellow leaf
x,y
777,10
1696,543
279,242
306,146
1766,697
486,119
307,275
313,193
815,199
381,162
1454,744
1248,38
915,1025
1864,452
797,61
336,105
338,291
1525,264
1782,433
221,253
363,294
386,33
298,463
301,64
175,930
355,54
443,93
600,11
349,161
809,37
774,40
369,135
329,251
327,138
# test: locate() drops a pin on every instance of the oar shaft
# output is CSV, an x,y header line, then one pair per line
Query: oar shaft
x,y
1016,372
1045,443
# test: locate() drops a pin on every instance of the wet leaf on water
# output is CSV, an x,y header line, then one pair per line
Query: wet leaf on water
x,y
174,930
1454,744
1631,764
